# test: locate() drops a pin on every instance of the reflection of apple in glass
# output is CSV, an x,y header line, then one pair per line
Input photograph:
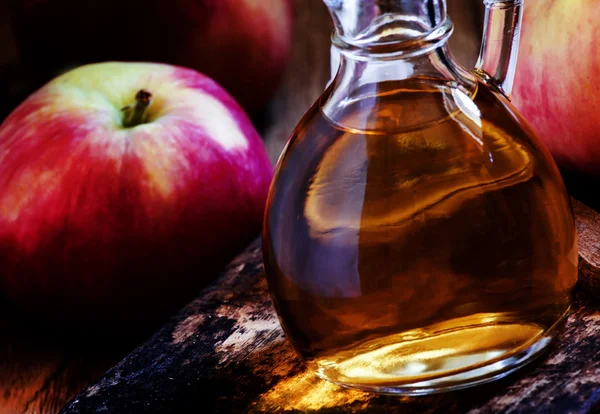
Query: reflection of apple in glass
x,y
242,44
123,188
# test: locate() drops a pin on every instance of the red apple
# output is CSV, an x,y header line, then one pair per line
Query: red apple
x,y
555,86
242,44
114,210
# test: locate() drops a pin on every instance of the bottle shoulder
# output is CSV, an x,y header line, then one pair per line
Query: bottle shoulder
x,y
397,107
423,131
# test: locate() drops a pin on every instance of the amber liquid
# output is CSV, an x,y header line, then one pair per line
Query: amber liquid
x,y
420,235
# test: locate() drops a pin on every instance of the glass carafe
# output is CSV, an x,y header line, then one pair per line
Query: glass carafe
x,y
418,236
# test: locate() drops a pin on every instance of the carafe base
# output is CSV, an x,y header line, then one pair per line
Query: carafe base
x,y
453,360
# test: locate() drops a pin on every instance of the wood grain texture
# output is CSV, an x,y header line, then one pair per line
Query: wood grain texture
x,y
588,223
225,352
40,370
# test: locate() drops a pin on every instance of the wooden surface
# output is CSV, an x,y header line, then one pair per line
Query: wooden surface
x,y
589,248
225,352
39,372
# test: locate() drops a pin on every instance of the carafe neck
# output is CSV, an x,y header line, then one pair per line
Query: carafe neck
x,y
389,27
378,41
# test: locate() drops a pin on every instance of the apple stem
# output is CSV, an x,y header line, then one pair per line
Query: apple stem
x,y
135,114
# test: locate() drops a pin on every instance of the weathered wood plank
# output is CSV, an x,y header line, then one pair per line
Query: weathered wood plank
x,y
588,223
225,352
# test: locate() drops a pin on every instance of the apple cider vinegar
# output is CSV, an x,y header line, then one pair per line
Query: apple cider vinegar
x,y
418,237
421,239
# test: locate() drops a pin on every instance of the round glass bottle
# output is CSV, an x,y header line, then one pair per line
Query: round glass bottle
x,y
418,236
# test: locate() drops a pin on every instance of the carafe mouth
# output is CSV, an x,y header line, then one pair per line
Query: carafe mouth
x,y
389,28
404,43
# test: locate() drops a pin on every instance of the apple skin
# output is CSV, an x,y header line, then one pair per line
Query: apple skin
x,y
555,87
242,44
123,225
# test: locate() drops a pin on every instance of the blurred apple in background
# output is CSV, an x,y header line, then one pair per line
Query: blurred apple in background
x,y
124,188
555,85
242,44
